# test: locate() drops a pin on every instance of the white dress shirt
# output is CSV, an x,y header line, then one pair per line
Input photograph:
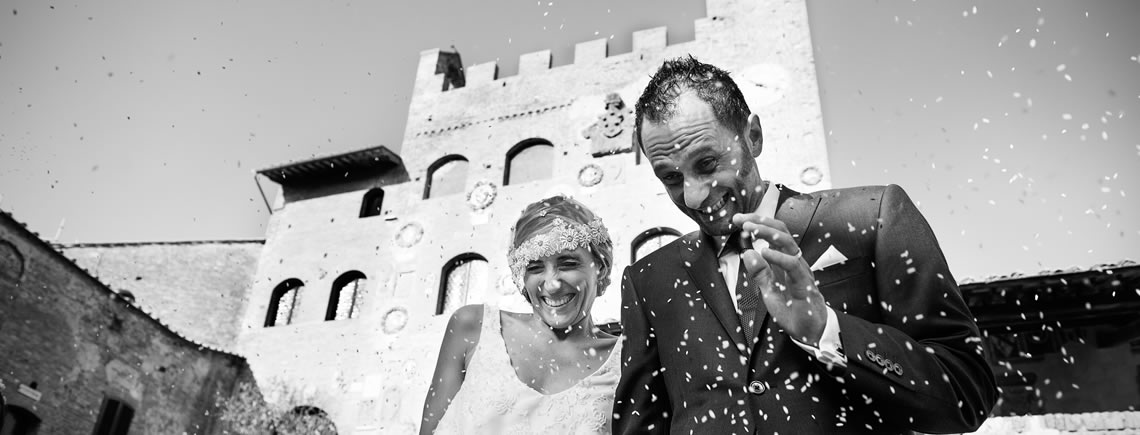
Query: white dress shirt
x,y
830,349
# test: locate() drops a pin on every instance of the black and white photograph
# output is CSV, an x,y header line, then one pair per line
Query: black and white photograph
x,y
569,217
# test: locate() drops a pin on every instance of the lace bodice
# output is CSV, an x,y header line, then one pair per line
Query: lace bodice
x,y
492,399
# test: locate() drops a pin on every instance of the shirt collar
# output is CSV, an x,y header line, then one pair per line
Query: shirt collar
x,y
767,208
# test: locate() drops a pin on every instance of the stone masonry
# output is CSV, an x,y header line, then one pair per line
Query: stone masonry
x,y
69,342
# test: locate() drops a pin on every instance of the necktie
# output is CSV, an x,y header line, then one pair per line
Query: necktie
x,y
752,309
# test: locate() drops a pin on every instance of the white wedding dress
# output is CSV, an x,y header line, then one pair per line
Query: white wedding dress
x,y
492,399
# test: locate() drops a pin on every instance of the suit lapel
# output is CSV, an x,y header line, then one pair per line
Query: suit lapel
x,y
796,211
701,263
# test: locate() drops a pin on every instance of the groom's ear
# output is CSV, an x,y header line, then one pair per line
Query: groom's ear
x,y
754,136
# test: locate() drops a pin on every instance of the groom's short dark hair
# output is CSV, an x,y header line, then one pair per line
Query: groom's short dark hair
x,y
711,84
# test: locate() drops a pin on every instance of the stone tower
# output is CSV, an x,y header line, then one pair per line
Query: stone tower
x,y
367,252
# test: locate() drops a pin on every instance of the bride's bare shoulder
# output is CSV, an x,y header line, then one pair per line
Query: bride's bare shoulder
x,y
465,322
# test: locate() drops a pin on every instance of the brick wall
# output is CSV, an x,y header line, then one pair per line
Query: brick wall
x,y
79,343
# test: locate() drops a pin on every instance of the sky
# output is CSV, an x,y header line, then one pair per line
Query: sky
x,y
1011,124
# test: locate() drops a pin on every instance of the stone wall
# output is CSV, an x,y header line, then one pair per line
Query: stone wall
x,y
69,342
199,288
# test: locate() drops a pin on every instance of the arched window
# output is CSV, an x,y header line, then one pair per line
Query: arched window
x,y
18,421
345,295
305,420
115,418
464,281
446,176
372,203
650,240
282,302
529,160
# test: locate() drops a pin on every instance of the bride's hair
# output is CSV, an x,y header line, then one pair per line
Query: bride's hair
x,y
539,218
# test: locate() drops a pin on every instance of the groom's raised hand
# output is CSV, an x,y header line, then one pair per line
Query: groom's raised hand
x,y
784,277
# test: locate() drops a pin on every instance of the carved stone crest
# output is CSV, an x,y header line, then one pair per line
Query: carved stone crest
x,y
482,195
604,134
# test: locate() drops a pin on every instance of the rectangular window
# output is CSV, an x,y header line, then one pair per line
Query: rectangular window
x,y
114,419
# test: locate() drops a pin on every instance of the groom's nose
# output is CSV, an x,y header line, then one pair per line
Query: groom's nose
x,y
695,194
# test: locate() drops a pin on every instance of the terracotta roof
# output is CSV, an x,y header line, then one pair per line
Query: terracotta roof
x,y
377,158
128,300
168,278
176,242
1071,297
1047,273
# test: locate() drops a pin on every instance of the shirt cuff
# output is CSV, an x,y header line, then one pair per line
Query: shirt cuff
x,y
830,350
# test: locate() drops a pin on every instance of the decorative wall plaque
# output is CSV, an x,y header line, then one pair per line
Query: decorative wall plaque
x,y
590,175
811,176
482,195
603,134
395,320
409,234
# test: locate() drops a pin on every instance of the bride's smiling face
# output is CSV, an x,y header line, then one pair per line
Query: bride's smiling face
x,y
562,287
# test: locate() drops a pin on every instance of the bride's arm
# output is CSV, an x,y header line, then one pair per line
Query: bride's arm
x,y
458,340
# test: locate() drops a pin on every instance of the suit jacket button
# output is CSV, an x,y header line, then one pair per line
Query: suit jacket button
x,y
757,387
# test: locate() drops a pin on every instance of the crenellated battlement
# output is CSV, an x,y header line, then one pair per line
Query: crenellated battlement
x,y
432,77
437,72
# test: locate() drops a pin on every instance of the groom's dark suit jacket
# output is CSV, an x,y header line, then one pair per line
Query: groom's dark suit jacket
x,y
914,353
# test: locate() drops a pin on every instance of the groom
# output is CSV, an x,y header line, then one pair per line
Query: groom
x,y
829,312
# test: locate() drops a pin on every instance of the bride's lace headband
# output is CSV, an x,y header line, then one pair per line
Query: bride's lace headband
x,y
559,236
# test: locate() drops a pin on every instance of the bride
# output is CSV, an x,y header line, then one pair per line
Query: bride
x,y
549,371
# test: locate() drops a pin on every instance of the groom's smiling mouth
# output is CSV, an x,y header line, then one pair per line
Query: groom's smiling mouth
x,y
716,209
559,301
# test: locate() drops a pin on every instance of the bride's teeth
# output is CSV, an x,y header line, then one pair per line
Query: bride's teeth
x,y
557,302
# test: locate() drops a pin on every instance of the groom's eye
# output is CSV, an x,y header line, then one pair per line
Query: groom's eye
x,y
707,164
671,178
